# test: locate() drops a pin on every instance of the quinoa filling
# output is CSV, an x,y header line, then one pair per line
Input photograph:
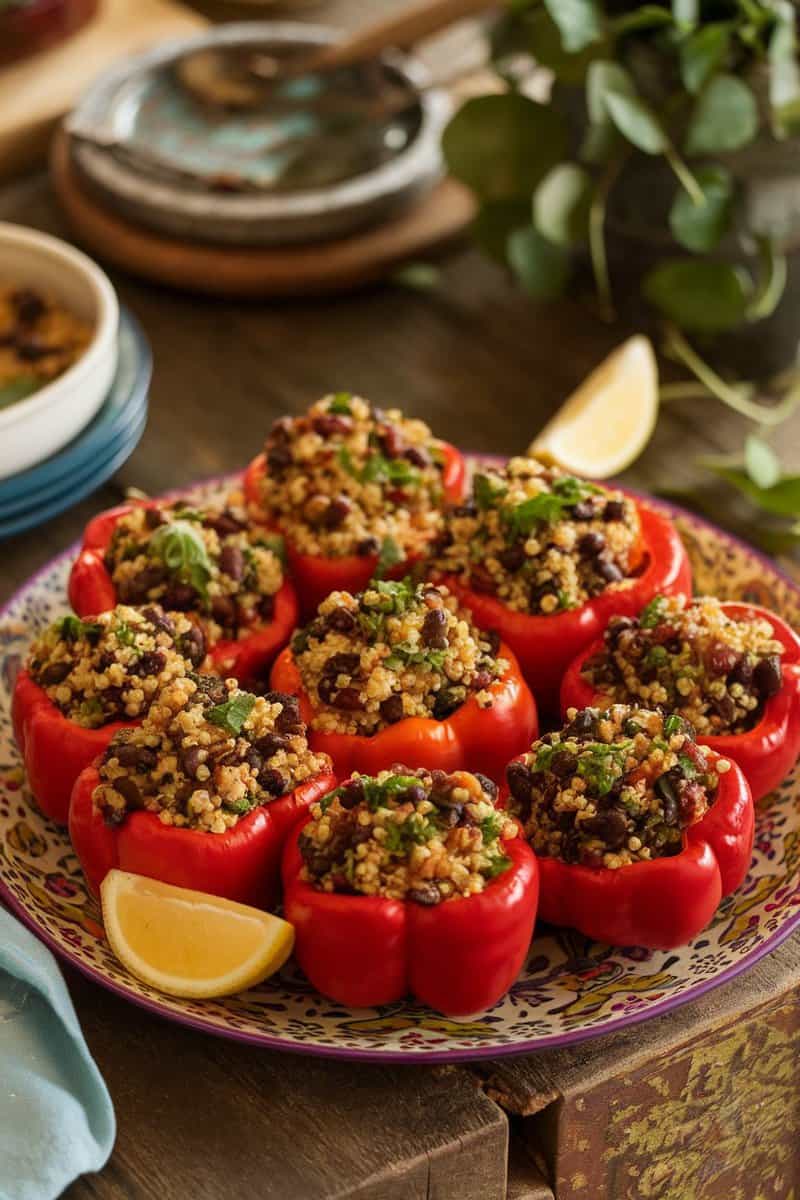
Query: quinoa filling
x,y
409,835
348,478
208,561
539,540
113,667
693,659
614,787
206,755
395,650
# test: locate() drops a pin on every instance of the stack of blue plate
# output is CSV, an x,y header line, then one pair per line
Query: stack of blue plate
x,y
96,453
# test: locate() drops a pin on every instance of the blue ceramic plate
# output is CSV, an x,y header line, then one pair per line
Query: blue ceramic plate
x,y
79,485
123,408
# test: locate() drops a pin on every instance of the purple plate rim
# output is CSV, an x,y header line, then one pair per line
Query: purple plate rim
x,y
416,1057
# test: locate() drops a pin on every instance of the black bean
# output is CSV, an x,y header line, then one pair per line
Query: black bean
x,y
288,719
391,709
391,441
614,511
488,785
150,663
341,619
271,743
608,570
326,689
224,523
519,781
159,619
426,893
563,764
417,456
349,699
223,610
446,702
254,760
665,787
767,677
351,793
329,424
231,562
272,781
144,581
565,822
342,664
434,629
616,627
128,754
611,827
584,724
584,510
336,512
28,305
192,645
278,457
281,430
468,509
743,671
725,708
129,791
414,794
153,517
212,688
55,673
180,597
512,557
591,544
190,760
367,546
451,815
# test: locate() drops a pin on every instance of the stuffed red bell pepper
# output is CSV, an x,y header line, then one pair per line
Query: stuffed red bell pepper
x,y
210,562
85,680
732,670
546,558
202,795
355,491
399,674
411,881
639,831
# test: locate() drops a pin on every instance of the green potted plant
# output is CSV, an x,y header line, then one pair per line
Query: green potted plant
x,y
669,126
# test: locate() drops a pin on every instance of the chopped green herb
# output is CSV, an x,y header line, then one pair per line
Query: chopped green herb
x,y
125,635
390,555
653,613
490,827
487,492
182,550
395,595
497,865
275,543
240,807
71,629
688,766
404,654
545,508
379,469
232,715
90,710
601,765
674,724
340,404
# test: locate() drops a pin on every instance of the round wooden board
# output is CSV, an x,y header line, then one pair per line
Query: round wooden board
x,y
253,270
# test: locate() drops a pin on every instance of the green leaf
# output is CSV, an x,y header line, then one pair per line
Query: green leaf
x,y
418,276
72,629
541,267
702,54
534,32
561,204
340,404
725,117
389,556
761,462
578,21
181,548
495,221
686,12
486,492
782,499
784,78
699,227
646,16
17,389
605,76
502,146
232,715
772,281
705,297
637,122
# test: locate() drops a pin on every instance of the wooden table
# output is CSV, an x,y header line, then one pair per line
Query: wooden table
x,y
204,1118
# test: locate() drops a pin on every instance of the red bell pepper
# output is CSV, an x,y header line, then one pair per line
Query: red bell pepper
x,y
54,749
665,902
91,591
316,576
546,644
242,864
470,739
767,752
459,956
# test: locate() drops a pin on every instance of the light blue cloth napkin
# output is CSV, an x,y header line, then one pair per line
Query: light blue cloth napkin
x,y
56,1118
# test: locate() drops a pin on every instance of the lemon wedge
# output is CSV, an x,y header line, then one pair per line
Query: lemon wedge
x,y
607,422
188,943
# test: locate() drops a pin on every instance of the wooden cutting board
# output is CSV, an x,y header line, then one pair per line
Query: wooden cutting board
x,y
35,93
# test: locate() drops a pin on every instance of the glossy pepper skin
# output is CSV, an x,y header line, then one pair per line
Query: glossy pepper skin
x,y
471,739
546,644
54,749
767,752
91,591
668,901
242,864
315,576
459,956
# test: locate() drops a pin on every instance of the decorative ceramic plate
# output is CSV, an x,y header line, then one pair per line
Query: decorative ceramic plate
x,y
570,989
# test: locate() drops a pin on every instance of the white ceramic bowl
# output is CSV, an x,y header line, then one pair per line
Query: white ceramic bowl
x,y
34,428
